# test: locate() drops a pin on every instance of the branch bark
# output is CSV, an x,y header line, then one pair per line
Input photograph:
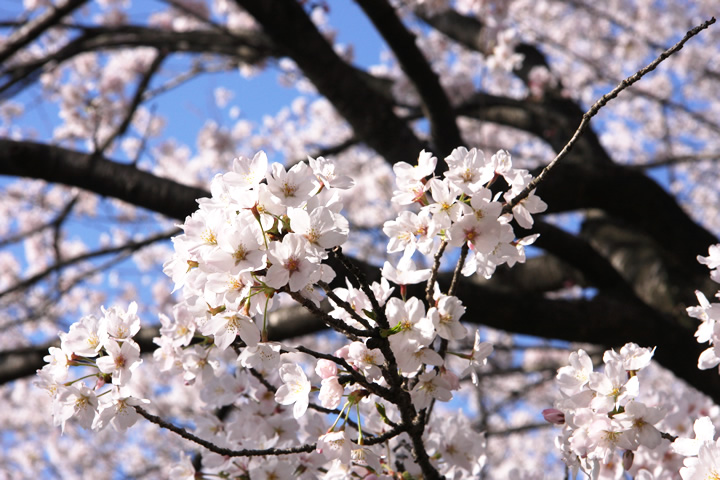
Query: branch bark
x,y
435,102
250,47
99,175
369,113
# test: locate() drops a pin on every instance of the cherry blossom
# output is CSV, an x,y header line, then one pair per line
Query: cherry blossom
x,y
118,412
334,445
225,328
120,360
295,390
79,403
290,264
446,318
291,187
269,236
430,386
478,357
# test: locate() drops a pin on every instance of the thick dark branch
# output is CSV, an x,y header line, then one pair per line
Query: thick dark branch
x,y
659,278
552,120
21,363
290,322
465,30
435,102
99,175
368,112
601,320
249,47
538,275
596,270
621,192
628,194
469,32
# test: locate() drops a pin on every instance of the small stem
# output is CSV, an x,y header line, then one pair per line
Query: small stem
x,y
344,305
364,286
226,452
360,433
340,326
458,268
434,273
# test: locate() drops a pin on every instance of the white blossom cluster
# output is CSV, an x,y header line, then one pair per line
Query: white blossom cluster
x,y
260,233
462,210
267,231
601,412
709,314
703,452
602,415
105,348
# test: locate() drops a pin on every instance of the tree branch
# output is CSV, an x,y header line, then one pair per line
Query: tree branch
x,y
435,102
368,112
249,47
99,175
86,256
33,29
134,102
226,452
598,105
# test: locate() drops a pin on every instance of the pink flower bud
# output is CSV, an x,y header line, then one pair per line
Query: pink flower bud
x,y
343,352
627,459
553,415
326,368
451,378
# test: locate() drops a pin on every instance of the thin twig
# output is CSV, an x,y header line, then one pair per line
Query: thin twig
x,y
520,429
358,377
219,450
31,30
596,108
87,256
42,312
458,268
338,325
344,305
307,448
364,286
142,87
677,160
434,273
